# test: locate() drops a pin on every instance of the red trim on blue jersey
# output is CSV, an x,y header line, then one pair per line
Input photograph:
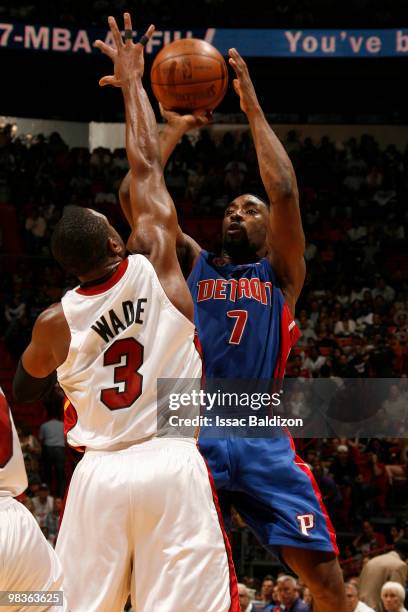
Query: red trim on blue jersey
x,y
108,284
235,605
306,470
289,335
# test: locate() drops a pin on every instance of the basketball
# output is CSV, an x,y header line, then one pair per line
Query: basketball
x,y
188,75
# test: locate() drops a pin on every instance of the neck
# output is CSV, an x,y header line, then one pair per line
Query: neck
x,y
100,274
242,256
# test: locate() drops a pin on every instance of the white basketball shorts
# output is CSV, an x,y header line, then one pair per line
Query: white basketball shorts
x,y
27,560
143,521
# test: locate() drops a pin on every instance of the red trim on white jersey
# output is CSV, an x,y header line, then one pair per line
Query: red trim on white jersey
x,y
108,284
235,605
70,420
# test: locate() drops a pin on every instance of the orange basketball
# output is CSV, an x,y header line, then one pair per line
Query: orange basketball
x,y
189,74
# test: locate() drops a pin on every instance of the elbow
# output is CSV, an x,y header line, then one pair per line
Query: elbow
x,y
27,388
286,187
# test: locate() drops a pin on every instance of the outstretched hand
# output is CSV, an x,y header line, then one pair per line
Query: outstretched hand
x,y
242,84
127,56
188,122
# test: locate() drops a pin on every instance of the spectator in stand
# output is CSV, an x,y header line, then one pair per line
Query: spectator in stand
x,y
267,590
393,597
43,504
288,596
52,521
313,361
353,602
343,468
51,435
345,327
395,406
36,228
275,596
30,447
400,468
368,540
396,534
330,492
383,290
308,598
377,571
244,598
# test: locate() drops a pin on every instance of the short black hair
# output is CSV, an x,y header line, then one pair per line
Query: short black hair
x,y
263,198
79,240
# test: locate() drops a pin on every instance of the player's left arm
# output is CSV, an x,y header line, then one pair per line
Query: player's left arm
x,y
286,238
175,127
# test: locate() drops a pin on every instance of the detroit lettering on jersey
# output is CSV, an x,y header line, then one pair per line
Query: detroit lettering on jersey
x,y
245,327
114,322
234,290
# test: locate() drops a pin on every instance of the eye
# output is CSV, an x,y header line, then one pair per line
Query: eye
x,y
229,211
251,211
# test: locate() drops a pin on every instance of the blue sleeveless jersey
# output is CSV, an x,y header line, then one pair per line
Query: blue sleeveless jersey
x,y
243,322
246,332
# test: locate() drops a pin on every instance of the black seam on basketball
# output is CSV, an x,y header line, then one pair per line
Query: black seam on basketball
x,y
221,78
173,57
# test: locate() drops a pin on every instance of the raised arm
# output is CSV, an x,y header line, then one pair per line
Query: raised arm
x,y
151,213
175,127
286,238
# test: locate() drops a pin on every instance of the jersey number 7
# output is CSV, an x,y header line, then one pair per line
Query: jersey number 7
x,y
241,317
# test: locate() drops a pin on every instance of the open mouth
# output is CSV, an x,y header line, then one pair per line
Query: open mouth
x,y
235,228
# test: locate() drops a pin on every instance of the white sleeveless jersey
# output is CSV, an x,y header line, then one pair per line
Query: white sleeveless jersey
x,y
125,334
13,477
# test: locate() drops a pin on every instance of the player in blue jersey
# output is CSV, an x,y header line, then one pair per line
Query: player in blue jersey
x,y
244,313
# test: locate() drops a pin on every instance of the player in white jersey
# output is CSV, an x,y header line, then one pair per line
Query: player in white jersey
x,y
140,514
27,560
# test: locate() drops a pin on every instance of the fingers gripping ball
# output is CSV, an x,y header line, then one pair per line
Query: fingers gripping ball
x,y
188,75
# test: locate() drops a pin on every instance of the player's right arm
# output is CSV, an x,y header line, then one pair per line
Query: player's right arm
x,y
36,371
286,241
152,214
175,127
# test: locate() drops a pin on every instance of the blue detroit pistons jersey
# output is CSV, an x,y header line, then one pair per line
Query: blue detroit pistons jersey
x,y
243,322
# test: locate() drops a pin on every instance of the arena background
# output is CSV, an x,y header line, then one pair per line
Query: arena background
x,y
344,122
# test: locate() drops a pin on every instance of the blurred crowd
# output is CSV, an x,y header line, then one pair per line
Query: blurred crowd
x,y
217,13
285,593
353,312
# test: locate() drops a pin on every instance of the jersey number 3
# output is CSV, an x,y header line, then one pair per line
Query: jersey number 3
x,y
241,318
6,433
127,374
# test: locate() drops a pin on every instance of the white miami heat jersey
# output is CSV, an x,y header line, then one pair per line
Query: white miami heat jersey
x,y
125,334
13,477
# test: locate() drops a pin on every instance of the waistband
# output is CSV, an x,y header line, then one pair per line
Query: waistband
x,y
143,445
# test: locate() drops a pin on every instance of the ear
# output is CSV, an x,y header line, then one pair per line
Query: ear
x,y
114,247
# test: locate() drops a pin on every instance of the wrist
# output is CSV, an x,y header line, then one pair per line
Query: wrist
x,y
175,129
254,110
131,84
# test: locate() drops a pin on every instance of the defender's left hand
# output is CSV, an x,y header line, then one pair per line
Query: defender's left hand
x,y
127,56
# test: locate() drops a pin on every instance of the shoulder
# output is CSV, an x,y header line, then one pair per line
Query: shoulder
x,y
51,325
50,319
